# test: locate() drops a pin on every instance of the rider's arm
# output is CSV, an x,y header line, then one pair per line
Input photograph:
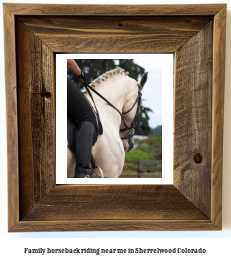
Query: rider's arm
x,y
73,67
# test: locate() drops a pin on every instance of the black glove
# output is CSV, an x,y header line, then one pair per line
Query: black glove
x,y
82,77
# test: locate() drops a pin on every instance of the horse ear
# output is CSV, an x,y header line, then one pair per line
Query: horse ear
x,y
143,80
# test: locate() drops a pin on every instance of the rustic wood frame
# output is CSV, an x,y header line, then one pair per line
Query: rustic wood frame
x,y
33,34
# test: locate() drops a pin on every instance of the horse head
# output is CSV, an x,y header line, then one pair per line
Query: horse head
x,y
130,116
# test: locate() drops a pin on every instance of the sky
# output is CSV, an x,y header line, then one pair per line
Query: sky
x,y
152,92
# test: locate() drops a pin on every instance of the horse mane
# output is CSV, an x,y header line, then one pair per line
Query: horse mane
x,y
108,74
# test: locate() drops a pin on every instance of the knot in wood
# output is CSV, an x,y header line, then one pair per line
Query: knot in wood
x,y
198,158
45,94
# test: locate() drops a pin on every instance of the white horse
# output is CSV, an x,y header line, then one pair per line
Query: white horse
x,y
125,94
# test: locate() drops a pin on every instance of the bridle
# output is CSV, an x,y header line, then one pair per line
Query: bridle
x,y
127,127
134,121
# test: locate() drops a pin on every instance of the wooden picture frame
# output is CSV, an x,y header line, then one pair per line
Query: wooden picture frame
x,y
34,33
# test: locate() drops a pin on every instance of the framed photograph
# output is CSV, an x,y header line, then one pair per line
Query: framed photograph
x,y
142,163
35,35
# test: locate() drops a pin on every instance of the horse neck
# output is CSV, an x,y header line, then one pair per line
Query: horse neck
x,y
118,90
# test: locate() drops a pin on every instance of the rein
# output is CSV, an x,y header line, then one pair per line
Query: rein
x,y
127,127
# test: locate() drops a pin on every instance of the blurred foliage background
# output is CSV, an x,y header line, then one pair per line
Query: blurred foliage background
x,y
93,68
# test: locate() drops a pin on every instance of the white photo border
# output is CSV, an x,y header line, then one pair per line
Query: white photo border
x,y
167,120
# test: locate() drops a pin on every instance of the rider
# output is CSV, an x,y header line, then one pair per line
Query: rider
x,y
81,114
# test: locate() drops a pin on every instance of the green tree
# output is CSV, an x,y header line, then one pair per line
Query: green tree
x,y
157,131
143,127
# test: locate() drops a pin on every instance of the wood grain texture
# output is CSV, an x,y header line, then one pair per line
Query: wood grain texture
x,y
218,115
114,210
114,202
114,225
114,34
35,66
194,201
11,116
193,114
114,10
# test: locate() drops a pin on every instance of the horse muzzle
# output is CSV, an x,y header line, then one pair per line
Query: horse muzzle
x,y
131,144
128,144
